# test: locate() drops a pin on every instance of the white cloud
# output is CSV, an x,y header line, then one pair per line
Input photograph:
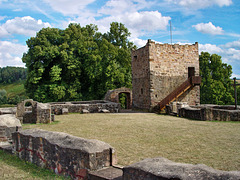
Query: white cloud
x,y
208,28
3,1
66,7
17,10
2,17
3,32
22,25
138,23
236,76
233,35
229,52
132,13
146,20
196,4
234,44
11,53
138,42
116,7
211,48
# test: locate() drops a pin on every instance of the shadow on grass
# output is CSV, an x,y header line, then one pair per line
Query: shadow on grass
x,y
33,170
190,119
25,126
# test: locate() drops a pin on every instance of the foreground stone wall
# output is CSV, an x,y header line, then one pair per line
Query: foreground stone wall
x,y
210,113
161,168
158,69
64,154
79,106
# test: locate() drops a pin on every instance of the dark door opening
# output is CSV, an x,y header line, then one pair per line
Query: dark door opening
x,y
124,100
191,71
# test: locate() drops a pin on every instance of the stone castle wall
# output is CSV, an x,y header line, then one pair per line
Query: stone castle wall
x,y
169,69
140,78
159,69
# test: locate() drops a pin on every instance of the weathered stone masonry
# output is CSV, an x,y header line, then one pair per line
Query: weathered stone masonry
x,y
158,69
162,168
64,154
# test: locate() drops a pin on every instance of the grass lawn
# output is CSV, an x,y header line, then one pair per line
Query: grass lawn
x,y
136,136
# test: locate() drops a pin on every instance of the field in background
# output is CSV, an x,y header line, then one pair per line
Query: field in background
x,y
14,89
137,136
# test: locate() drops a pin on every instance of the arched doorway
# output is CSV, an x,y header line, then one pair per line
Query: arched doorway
x,y
28,106
121,95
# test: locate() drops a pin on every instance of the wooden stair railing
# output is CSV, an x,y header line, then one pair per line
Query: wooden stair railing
x,y
190,82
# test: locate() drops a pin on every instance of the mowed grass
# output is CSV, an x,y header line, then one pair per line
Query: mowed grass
x,y
136,136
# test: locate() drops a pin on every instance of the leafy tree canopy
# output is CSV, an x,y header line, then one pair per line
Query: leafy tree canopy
x,y
78,63
216,86
12,74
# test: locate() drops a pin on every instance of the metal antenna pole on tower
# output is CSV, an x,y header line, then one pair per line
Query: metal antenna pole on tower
x,y
171,30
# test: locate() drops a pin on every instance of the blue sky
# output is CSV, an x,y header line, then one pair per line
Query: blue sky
x,y
214,24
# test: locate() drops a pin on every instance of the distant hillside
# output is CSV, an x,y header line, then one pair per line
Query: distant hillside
x,y
15,93
13,89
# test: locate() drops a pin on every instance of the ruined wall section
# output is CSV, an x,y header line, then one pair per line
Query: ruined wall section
x,y
169,69
66,155
140,78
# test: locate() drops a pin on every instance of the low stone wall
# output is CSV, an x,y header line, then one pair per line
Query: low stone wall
x,y
8,124
91,106
36,113
211,113
11,110
64,154
161,168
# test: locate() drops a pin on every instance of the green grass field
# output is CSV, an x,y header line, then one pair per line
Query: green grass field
x,y
14,89
137,136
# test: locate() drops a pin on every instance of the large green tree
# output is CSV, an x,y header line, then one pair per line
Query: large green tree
x,y
78,63
216,86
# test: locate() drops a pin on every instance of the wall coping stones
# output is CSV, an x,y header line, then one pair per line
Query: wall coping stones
x,y
8,124
68,141
9,120
11,110
63,153
210,112
162,168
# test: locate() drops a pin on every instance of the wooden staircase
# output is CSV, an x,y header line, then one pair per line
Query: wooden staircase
x,y
190,82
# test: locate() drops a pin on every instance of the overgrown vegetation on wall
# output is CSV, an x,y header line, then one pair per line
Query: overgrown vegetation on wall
x,y
78,63
216,86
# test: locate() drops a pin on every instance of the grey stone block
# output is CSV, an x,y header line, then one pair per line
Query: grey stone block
x,y
162,168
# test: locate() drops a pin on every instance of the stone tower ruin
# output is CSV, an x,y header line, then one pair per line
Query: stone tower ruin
x,y
162,73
